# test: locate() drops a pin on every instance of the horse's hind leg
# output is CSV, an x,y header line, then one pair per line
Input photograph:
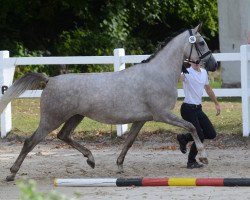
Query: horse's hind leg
x,y
136,127
64,135
28,145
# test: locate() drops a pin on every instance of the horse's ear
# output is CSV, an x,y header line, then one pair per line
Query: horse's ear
x,y
198,28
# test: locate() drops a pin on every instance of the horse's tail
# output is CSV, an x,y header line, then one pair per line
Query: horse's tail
x,y
27,82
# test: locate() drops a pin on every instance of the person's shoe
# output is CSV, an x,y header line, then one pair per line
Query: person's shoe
x,y
193,165
182,142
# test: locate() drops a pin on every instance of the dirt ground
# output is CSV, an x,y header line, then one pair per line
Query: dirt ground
x,y
152,156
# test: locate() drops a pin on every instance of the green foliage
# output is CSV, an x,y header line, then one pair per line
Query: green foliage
x,y
84,42
21,51
96,27
204,11
117,26
28,191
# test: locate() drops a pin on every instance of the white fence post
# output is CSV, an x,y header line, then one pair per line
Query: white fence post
x,y
118,65
245,86
6,78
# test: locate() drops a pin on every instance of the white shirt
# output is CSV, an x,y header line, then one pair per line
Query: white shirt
x,y
193,85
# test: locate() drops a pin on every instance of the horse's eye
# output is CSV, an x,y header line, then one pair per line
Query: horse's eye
x,y
201,43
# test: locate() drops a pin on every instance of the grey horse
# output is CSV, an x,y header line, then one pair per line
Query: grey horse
x,y
144,92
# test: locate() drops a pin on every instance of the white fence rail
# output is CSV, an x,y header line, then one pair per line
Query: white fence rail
x,y
7,68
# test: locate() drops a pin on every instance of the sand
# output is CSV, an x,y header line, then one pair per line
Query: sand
x,y
51,159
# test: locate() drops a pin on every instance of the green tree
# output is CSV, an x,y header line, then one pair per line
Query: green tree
x,y
96,27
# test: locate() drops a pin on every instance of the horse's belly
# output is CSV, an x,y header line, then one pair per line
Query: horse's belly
x,y
118,117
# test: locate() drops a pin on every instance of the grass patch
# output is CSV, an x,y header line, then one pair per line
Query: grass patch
x,y
26,115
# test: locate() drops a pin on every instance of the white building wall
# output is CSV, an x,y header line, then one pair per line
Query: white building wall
x,y
234,26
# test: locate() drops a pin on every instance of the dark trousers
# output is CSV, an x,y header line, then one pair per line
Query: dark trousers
x,y
205,129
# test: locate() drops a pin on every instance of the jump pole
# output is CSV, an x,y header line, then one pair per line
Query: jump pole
x,y
128,182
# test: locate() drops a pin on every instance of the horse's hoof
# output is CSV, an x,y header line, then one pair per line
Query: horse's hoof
x,y
120,170
203,160
10,178
91,163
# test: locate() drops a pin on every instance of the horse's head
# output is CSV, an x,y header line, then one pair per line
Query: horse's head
x,y
197,50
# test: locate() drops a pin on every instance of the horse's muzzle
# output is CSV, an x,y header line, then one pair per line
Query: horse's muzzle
x,y
211,64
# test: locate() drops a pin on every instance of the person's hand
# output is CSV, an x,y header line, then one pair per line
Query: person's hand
x,y
217,107
182,77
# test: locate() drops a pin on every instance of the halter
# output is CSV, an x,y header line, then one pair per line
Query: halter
x,y
192,41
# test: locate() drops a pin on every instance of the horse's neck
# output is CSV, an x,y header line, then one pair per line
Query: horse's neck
x,y
170,59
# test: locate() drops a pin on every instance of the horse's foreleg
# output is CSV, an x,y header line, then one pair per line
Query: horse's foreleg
x,y
64,135
28,145
172,119
136,127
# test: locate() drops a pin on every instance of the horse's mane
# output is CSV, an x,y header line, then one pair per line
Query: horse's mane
x,y
163,44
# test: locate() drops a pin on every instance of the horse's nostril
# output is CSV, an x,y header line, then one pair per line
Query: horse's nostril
x,y
216,65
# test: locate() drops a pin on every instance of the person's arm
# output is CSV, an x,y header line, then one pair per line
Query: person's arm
x,y
212,96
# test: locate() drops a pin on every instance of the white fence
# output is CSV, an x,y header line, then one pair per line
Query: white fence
x,y
7,68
